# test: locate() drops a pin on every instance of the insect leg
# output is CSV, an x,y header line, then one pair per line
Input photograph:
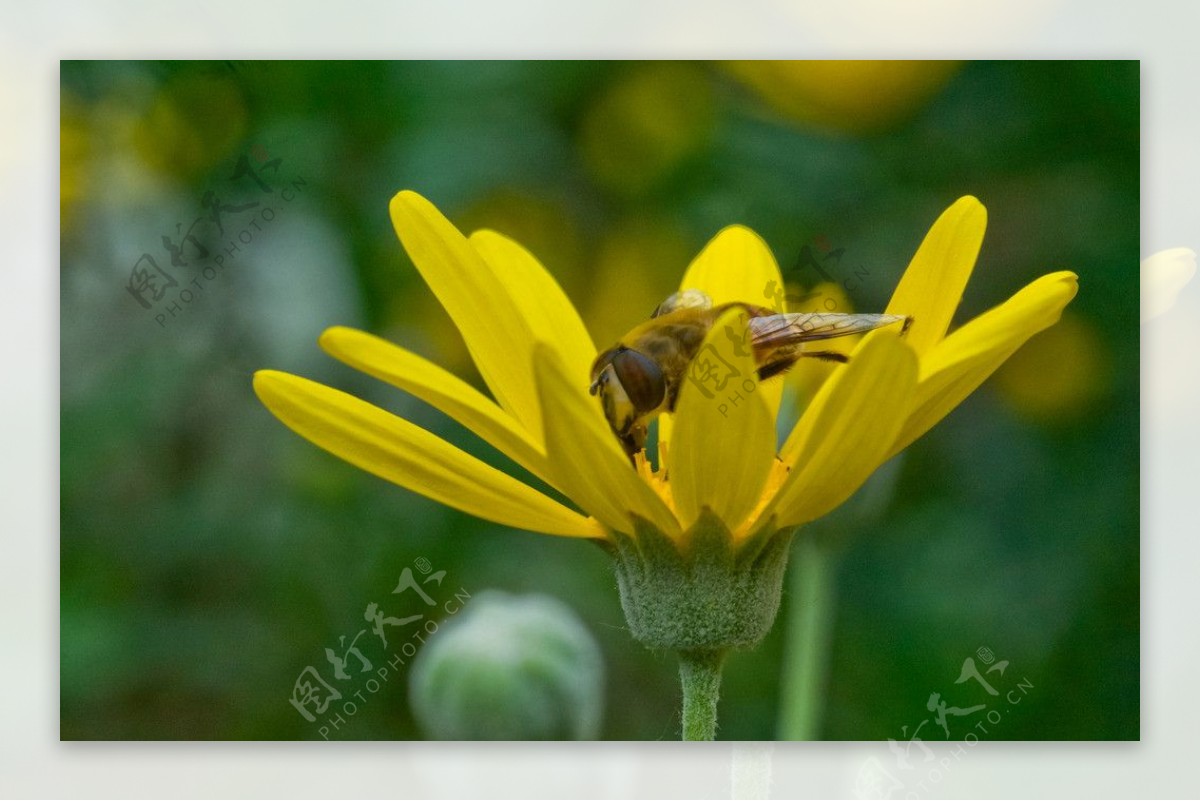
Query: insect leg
x,y
773,369
827,355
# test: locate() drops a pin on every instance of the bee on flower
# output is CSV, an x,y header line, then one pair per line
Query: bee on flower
x,y
699,536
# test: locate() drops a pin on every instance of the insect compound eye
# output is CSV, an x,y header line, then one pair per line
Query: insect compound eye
x,y
641,378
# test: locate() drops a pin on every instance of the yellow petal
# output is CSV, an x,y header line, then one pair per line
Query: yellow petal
x,y
735,266
480,304
964,360
586,461
933,284
850,427
724,441
540,300
440,389
398,451
666,433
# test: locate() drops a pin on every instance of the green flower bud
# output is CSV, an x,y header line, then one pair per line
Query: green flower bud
x,y
509,668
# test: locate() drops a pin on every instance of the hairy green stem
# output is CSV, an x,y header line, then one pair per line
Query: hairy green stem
x,y
809,625
700,674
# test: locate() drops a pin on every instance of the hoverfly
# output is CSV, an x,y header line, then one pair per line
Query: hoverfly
x,y
641,376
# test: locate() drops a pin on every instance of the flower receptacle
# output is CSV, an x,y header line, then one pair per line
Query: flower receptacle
x,y
703,593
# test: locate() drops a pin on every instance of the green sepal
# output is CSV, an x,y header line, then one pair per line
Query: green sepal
x,y
701,593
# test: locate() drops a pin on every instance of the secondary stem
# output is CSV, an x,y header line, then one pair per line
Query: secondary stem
x,y
806,658
700,673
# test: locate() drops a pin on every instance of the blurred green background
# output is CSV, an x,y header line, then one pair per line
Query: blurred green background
x,y
208,555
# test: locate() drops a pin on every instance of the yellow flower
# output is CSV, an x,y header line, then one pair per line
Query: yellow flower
x,y
534,354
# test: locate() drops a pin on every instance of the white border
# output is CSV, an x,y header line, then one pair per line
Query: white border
x,y
35,37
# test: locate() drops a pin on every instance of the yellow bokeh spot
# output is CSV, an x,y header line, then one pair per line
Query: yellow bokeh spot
x,y
845,96
828,297
646,124
195,121
637,265
1059,373
541,226
75,155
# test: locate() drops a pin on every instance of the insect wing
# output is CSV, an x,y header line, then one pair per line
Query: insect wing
x,y
779,330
